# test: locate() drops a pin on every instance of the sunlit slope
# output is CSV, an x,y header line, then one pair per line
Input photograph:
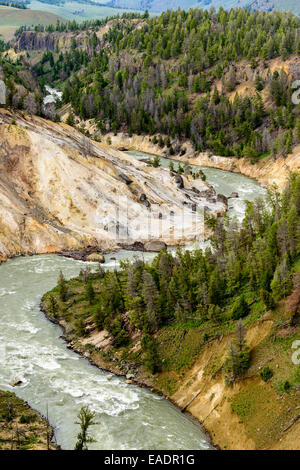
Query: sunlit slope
x,y
12,18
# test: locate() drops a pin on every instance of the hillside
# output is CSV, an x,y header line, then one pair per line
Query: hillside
x,y
62,191
213,330
208,87
22,428
78,10
12,18
157,6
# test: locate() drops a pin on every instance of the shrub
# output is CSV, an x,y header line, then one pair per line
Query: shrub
x,y
285,386
267,299
122,339
205,337
240,308
120,335
26,419
266,374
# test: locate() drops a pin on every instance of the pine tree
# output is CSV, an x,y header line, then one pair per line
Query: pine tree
x,y
90,293
53,305
240,308
86,420
240,334
62,287
152,359
150,296
281,284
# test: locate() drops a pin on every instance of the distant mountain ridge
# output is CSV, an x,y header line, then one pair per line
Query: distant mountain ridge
x,y
157,6
162,5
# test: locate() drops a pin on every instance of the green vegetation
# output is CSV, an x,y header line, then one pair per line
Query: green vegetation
x,y
22,428
86,420
196,295
267,373
153,84
20,16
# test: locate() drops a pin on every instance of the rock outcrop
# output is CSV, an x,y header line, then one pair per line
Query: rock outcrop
x,y
32,41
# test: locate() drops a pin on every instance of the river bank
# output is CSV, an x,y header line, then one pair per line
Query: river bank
x,y
21,427
251,414
132,374
129,417
267,171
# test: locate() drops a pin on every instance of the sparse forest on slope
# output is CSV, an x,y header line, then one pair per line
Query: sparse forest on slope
x,y
181,322
252,262
222,80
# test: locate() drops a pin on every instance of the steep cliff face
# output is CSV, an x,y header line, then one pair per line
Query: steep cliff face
x,y
59,190
61,40
30,41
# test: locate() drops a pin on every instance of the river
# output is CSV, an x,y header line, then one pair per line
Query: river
x,y
224,182
31,350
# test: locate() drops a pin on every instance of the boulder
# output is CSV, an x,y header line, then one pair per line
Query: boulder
x,y
222,198
129,382
143,197
129,376
16,383
155,245
98,257
233,195
206,193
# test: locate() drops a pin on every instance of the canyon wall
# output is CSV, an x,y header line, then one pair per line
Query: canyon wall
x,y
60,190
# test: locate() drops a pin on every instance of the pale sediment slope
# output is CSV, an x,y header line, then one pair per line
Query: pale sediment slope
x,y
60,190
